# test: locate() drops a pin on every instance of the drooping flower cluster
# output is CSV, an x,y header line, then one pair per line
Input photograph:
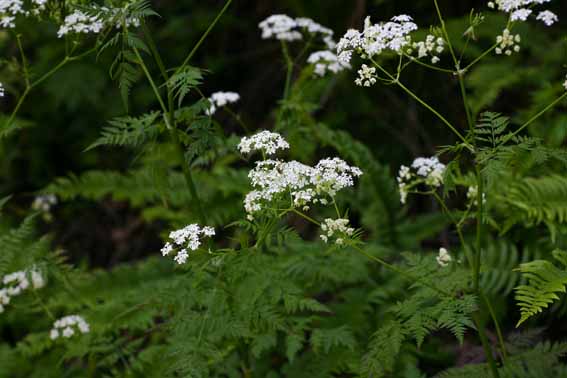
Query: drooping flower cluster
x,y
337,229
520,10
444,258
432,46
285,28
220,99
186,238
507,43
428,171
68,326
376,38
298,184
327,61
264,141
44,202
18,282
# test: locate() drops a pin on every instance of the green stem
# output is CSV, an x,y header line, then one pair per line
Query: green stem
x,y
423,103
305,216
485,345
497,327
289,70
152,83
203,37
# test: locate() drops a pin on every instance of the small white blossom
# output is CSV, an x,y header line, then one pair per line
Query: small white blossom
x,y
444,258
366,76
17,283
432,46
79,22
69,326
520,14
285,28
428,171
472,195
220,99
188,237
1,90
565,84
265,141
507,43
327,61
337,228
547,17
44,203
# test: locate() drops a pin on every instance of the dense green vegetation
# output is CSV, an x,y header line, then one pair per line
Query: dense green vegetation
x,y
363,265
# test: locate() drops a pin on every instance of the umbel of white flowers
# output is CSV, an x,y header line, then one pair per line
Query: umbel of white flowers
x,y
220,99
428,171
337,229
69,326
520,10
285,28
188,237
298,184
17,282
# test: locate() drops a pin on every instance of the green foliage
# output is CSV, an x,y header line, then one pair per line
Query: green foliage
x,y
544,281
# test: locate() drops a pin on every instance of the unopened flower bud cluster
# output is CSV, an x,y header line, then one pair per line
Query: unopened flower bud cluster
x,y
432,47
18,282
187,238
366,76
220,99
444,258
472,195
428,171
520,10
44,202
507,43
337,230
69,326
298,184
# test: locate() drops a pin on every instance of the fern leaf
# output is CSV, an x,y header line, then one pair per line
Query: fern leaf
x,y
544,282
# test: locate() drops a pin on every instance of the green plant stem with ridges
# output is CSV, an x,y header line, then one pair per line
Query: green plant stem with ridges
x,y
480,207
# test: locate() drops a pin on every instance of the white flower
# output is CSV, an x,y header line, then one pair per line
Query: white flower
x,y
547,17
69,326
326,61
377,38
431,46
220,99
298,183
520,14
428,171
17,282
265,141
337,228
565,84
80,23
507,43
44,203
366,76
444,258
188,237
1,88
285,28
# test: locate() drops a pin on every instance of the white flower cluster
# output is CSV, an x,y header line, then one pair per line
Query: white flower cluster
x,y
44,202
337,228
565,84
366,76
220,99
68,326
298,183
428,171
376,38
80,23
16,283
265,141
327,61
432,46
444,258
519,10
285,28
472,195
507,43
2,90
188,237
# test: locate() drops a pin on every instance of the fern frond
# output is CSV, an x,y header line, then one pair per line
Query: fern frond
x,y
544,282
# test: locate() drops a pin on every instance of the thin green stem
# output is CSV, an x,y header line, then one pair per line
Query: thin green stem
x,y
24,60
497,327
204,36
307,217
43,306
289,70
485,345
237,119
427,65
423,103
535,117
480,57
151,81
